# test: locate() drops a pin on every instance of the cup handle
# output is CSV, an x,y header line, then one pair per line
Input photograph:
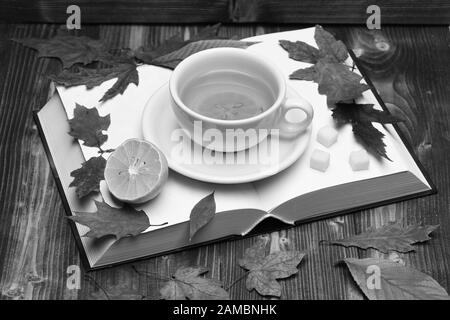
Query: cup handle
x,y
290,129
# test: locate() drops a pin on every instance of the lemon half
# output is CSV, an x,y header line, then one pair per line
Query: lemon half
x,y
136,171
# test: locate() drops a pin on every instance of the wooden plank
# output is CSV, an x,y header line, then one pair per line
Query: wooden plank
x,y
201,11
410,68
114,11
340,12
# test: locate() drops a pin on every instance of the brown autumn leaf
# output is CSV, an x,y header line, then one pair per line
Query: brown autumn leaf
x,y
148,54
391,237
118,222
265,270
172,59
381,279
87,125
202,213
68,49
338,83
87,178
128,74
361,117
335,79
187,283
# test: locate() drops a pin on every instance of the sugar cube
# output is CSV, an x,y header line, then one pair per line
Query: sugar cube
x,y
327,136
359,160
320,160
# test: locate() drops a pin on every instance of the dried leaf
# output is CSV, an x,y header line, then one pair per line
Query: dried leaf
x,y
187,283
335,79
389,237
387,280
69,49
361,117
128,75
370,138
338,83
118,292
119,222
87,178
308,74
88,77
147,55
354,112
172,59
201,214
87,126
330,49
263,271
300,51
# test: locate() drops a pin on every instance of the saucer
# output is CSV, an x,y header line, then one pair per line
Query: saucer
x,y
266,159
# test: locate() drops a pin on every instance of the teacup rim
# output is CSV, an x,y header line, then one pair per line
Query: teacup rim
x,y
278,74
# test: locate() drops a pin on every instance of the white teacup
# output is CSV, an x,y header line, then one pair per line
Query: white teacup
x,y
261,87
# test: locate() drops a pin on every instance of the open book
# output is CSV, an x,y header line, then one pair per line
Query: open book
x,y
293,196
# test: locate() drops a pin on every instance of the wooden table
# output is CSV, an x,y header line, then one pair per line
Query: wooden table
x,y
410,67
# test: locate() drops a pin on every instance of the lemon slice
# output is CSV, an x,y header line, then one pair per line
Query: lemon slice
x,y
136,171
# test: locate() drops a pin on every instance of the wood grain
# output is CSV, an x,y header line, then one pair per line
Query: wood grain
x,y
408,65
201,11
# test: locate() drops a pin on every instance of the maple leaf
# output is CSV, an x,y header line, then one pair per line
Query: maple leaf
x,y
300,51
335,79
361,117
119,222
396,282
355,112
88,77
68,49
329,48
147,55
308,74
264,270
202,213
389,237
371,139
338,83
87,125
126,76
87,178
172,59
187,283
